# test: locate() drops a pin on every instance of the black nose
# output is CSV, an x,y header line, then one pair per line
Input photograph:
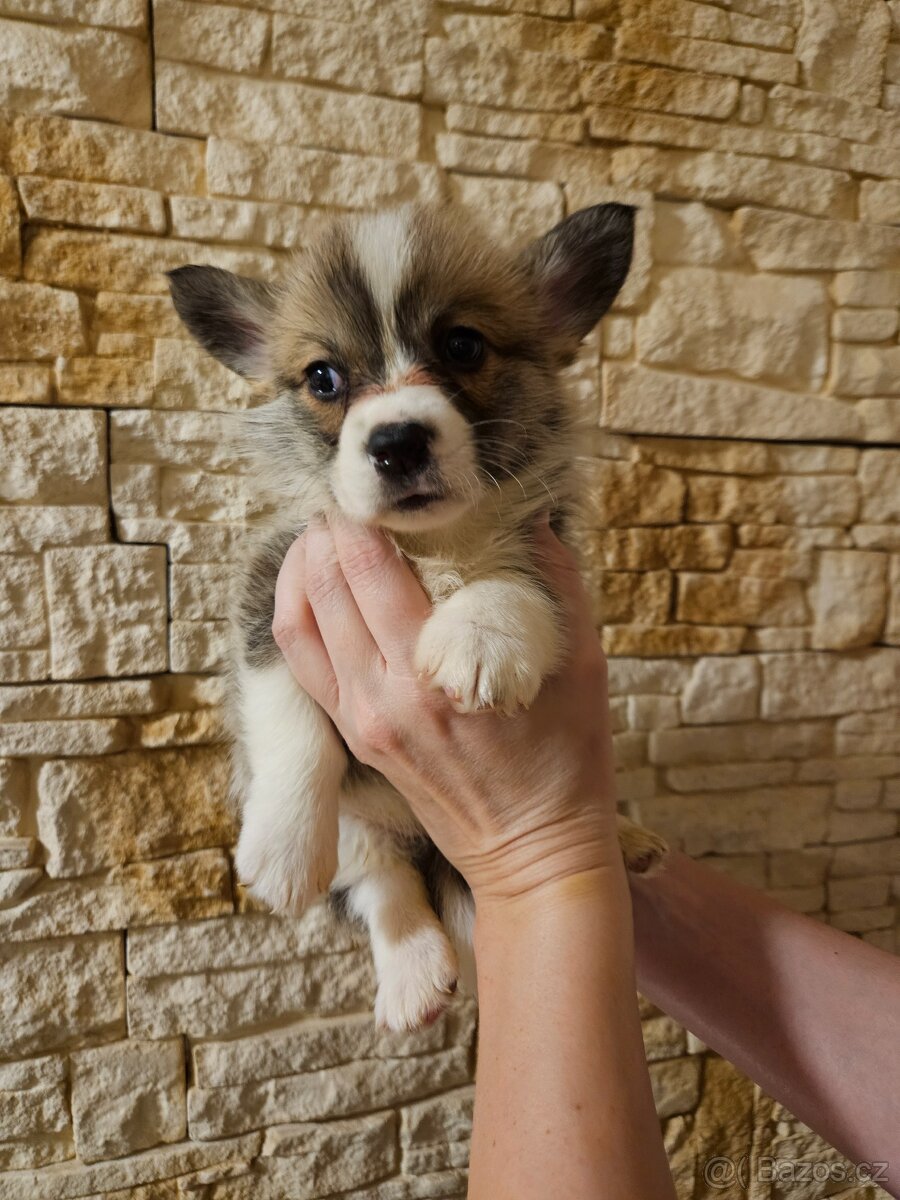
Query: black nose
x,y
399,450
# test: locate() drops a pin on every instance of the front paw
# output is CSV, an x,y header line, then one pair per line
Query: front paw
x,y
281,870
489,646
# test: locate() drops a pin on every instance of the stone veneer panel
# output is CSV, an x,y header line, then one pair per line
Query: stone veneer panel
x,y
741,534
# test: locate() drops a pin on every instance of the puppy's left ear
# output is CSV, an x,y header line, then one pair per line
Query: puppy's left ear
x,y
579,267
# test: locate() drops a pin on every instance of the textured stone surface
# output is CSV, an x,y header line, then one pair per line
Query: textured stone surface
x,y
60,994
695,311
103,812
106,604
128,1097
40,322
841,46
46,69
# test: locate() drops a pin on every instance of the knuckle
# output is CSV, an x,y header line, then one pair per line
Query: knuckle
x,y
377,731
363,558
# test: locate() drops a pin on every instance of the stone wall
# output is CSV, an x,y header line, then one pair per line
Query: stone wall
x,y
740,447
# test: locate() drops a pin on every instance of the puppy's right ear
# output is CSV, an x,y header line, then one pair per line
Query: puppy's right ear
x,y
229,315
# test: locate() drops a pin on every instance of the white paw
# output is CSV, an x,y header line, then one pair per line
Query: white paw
x,y
416,980
490,646
281,869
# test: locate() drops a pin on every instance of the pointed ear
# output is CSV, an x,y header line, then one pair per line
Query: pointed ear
x,y
230,316
579,267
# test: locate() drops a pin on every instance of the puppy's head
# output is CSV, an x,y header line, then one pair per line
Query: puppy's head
x,y
412,363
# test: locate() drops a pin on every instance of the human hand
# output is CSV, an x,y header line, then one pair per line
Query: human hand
x,y
514,802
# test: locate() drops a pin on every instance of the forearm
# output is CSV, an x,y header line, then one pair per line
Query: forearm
x,y
809,1013
563,1105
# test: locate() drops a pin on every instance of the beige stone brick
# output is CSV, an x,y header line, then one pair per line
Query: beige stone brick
x,y
786,242
879,200
101,736
21,666
731,599
62,461
60,994
822,684
799,868
25,529
744,742
680,547
343,1154
510,123
16,852
127,262
794,542
860,826
646,677
107,610
498,76
280,226
730,776
784,331
300,176
708,454
115,14
692,234
334,1091
841,46
659,90
672,639
831,115
14,784
178,888
624,494
379,56
231,1001
569,39
128,1097
753,104
652,712
506,207
119,382
103,153
864,324
65,701
184,376
773,564
640,40
54,68
804,499
732,179
892,624
39,322
188,541
878,475
880,417
867,858
198,645
775,639
676,1085
862,370
663,1038
214,35
134,489
145,316
10,245
135,1170
850,794
861,920
199,593
123,345
190,439
832,770
639,400
96,813
741,822
435,1133
867,289
25,384
721,690
848,599
203,496
622,597
108,206
196,101
876,537
23,622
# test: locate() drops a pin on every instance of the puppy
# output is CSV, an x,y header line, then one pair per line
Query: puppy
x,y
412,369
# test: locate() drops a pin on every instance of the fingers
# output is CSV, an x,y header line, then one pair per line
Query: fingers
x,y
297,634
387,593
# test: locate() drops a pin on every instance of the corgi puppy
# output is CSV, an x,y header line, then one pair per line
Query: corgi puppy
x,y
411,369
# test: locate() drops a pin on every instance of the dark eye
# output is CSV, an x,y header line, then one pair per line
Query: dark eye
x,y
464,347
324,381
